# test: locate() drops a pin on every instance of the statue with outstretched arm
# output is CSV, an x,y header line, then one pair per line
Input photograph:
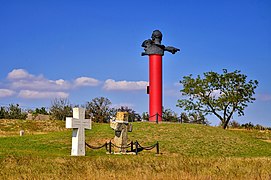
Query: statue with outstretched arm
x,y
154,46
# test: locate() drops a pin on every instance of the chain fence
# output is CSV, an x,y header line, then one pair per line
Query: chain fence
x,y
134,147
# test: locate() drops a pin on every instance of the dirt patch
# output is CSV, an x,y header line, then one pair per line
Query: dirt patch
x,y
267,140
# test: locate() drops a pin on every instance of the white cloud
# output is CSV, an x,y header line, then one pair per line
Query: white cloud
x,y
173,92
111,84
36,86
29,94
129,105
264,97
19,74
177,84
85,81
41,84
6,93
21,79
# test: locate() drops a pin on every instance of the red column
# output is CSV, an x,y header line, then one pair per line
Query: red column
x,y
155,87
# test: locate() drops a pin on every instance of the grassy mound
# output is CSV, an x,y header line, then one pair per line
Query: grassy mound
x,y
186,152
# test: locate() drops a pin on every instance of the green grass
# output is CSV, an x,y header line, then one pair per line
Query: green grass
x,y
187,151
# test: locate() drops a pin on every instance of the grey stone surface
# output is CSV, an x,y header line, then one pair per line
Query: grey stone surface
x,y
121,127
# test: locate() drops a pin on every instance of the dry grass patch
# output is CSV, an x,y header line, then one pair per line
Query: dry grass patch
x,y
187,152
134,167
12,127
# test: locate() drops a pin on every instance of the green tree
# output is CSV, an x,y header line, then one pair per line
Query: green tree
x,y
234,124
218,94
133,116
198,118
3,112
169,115
145,116
60,109
194,118
99,109
184,118
41,110
13,111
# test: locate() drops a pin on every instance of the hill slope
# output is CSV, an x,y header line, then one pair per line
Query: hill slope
x,y
188,151
175,139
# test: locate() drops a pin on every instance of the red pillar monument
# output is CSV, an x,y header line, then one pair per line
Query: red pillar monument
x,y
155,50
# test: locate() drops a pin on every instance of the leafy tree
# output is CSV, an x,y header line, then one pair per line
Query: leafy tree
x,y
60,109
13,111
194,118
169,115
145,116
133,116
248,125
234,124
41,110
3,113
218,94
99,109
198,118
184,118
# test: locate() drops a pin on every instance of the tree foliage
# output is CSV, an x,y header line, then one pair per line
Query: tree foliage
x,y
133,116
145,116
99,109
13,111
194,118
60,109
169,115
41,110
218,94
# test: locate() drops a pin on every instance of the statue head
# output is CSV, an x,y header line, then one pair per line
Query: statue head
x,y
156,37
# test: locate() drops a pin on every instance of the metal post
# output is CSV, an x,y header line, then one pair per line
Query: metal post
x,y
136,145
156,115
157,148
106,146
132,148
110,146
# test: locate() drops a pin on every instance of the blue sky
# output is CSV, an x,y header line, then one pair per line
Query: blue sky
x,y
86,49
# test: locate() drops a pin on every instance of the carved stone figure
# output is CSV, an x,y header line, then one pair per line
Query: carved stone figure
x,y
121,127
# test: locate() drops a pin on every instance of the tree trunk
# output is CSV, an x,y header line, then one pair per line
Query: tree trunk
x,y
225,125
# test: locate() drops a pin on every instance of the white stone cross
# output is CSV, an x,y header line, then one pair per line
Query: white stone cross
x,y
79,124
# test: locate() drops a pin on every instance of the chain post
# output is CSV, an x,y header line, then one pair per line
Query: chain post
x,y
157,148
110,146
132,148
136,146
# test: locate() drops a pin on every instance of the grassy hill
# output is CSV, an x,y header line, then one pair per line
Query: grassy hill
x,y
187,151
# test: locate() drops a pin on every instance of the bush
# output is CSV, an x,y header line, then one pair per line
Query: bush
x,y
42,110
12,112
234,124
99,110
133,116
60,109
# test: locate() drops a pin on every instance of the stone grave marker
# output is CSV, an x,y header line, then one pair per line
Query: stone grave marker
x,y
121,127
78,123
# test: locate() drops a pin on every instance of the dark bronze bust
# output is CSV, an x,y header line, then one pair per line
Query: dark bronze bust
x,y
154,46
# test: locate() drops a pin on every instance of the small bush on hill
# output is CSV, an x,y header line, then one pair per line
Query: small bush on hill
x,y
12,112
